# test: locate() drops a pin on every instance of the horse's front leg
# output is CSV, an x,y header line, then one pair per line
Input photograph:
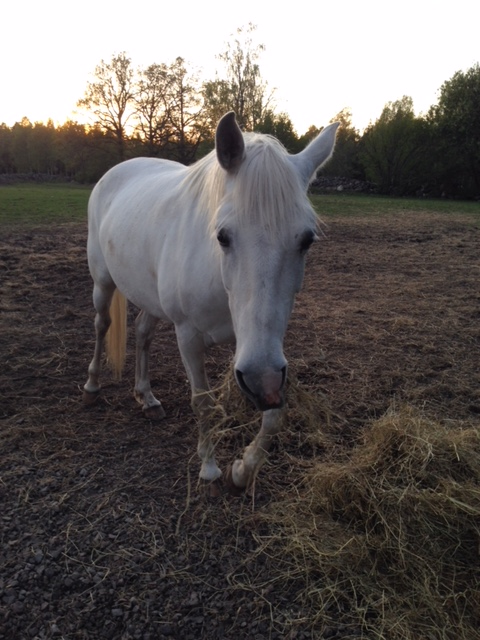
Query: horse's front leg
x,y
244,471
209,415
145,325
192,350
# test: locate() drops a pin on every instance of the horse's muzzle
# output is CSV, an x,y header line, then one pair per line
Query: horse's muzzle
x,y
265,391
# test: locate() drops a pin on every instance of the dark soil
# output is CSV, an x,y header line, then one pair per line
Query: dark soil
x,y
105,532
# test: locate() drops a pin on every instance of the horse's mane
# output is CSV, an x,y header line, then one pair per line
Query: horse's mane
x,y
266,189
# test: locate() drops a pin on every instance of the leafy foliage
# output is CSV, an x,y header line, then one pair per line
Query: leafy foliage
x,y
345,161
455,123
165,110
280,126
392,149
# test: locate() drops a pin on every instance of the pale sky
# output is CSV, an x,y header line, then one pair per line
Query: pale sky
x,y
320,56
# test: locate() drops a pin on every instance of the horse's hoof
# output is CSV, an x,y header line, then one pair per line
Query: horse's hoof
x,y
232,488
90,397
211,488
154,413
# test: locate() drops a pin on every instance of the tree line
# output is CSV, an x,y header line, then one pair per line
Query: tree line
x,y
435,154
165,111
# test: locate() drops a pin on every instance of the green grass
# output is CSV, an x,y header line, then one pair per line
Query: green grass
x,y
343,204
37,204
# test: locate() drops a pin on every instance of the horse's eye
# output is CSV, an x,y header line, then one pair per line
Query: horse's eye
x,y
306,241
223,239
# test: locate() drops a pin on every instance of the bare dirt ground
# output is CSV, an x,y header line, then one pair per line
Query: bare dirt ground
x,y
104,532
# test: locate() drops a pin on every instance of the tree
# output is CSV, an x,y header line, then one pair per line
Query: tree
x,y
185,112
345,161
456,132
152,99
310,134
217,99
110,98
21,145
74,155
42,148
7,163
242,89
392,149
280,126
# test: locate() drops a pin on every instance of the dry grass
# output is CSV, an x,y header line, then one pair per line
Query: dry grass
x,y
384,534
387,537
359,526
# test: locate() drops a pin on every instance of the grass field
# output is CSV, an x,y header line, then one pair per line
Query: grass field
x,y
32,204
352,204
43,203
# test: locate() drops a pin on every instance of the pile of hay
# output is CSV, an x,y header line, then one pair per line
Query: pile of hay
x,y
386,537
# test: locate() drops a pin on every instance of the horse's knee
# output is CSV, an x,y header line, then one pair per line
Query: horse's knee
x,y
205,408
201,402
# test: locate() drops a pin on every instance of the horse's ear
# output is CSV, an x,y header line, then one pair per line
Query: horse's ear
x,y
316,153
229,143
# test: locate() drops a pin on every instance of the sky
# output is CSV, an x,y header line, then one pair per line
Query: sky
x,y
320,57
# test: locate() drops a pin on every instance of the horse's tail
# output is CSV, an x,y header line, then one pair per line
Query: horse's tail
x,y
117,334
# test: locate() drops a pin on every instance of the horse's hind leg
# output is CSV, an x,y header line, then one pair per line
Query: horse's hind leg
x,y
144,330
102,297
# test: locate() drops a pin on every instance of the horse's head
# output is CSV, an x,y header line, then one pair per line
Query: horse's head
x,y
264,227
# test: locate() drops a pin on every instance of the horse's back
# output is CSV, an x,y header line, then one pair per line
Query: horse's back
x,y
125,201
130,179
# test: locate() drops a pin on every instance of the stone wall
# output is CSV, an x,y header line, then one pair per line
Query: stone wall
x,y
324,184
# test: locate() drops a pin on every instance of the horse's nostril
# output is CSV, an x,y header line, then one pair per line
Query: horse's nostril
x,y
241,379
241,383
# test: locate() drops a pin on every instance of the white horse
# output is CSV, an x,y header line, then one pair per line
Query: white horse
x,y
218,249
